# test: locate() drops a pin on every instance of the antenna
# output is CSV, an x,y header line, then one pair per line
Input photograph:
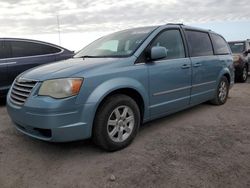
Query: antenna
x,y
58,28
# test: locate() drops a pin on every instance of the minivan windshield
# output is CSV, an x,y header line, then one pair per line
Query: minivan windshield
x,y
119,44
237,47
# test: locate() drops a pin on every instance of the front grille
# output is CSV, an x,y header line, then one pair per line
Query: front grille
x,y
21,90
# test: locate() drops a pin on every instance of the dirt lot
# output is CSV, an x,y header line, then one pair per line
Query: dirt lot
x,y
206,146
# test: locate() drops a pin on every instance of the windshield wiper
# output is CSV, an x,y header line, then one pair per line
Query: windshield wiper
x,y
86,56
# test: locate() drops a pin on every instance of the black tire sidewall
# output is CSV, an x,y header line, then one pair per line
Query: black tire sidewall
x,y
101,136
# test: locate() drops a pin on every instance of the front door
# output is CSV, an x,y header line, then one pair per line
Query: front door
x,y
169,78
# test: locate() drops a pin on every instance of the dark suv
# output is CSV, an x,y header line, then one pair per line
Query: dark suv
x,y
241,51
18,55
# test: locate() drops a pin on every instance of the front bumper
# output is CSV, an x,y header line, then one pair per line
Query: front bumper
x,y
52,120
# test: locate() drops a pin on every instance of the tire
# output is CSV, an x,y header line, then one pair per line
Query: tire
x,y
244,74
222,92
113,130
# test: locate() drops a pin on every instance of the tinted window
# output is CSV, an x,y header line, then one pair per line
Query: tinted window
x,y
4,50
237,47
2,55
21,49
220,45
172,41
199,43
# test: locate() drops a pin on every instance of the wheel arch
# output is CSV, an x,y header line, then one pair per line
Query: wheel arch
x,y
134,94
126,86
131,92
228,77
225,72
247,64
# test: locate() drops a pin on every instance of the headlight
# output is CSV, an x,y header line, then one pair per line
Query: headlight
x,y
236,58
61,88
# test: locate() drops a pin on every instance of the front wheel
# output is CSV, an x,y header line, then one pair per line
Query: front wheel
x,y
222,92
116,122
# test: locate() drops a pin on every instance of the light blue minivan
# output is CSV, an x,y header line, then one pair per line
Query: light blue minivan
x,y
112,86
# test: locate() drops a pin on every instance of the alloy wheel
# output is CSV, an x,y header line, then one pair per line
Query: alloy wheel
x,y
120,123
223,91
244,73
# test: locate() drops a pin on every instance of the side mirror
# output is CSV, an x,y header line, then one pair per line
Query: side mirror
x,y
158,52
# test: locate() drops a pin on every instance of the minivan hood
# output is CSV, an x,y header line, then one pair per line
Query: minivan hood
x,y
66,68
236,54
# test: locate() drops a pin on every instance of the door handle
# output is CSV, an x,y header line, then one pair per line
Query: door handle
x,y
197,64
185,66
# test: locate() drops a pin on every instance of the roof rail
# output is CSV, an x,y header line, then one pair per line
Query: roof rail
x,y
174,24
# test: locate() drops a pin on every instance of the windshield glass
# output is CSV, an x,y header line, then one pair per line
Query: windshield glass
x,y
119,44
237,47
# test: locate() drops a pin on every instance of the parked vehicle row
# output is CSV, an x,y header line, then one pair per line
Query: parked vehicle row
x,y
241,57
120,81
18,55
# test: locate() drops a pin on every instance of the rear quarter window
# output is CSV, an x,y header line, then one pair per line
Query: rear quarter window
x,y
23,49
199,43
220,45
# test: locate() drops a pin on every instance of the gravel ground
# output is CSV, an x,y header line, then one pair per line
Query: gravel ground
x,y
205,146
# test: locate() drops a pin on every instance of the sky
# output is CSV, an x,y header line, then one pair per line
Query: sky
x,y
79,22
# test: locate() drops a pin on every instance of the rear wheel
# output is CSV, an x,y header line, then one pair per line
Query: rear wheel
x,y
116,122
222,92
